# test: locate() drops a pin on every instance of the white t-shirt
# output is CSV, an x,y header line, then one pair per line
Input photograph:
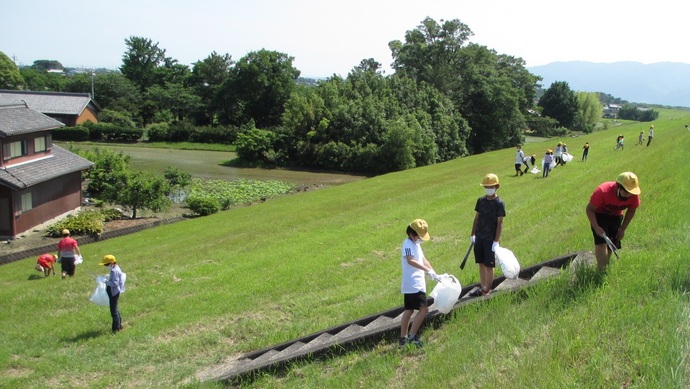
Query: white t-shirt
x,y
519,156
413,280
651,132
558,152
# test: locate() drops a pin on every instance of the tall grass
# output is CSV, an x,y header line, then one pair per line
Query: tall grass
x,y
202,290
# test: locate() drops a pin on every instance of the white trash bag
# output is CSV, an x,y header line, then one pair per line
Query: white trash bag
x,y
567,157
100,296
446,293
535,170
509,264
78,259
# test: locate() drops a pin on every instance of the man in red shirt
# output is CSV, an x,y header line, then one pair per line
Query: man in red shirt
x,y
605,213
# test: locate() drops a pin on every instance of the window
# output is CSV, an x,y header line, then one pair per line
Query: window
x,y
27,202
14,149
39,144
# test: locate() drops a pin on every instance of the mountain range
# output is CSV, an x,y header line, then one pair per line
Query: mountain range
x,y
662,83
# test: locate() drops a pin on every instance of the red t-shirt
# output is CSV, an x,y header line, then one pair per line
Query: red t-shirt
x,y
606,201
67,244
46,260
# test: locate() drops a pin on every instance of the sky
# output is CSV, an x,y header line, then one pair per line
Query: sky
x,y
327,37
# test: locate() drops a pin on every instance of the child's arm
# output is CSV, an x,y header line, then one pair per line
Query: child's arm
x,y
499,229
474,224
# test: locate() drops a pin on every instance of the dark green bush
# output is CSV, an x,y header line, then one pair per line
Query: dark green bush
x,y
158,132
203,206
76,133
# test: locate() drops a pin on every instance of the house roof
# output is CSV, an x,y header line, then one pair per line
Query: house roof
x,y
55,103
18,119
59,163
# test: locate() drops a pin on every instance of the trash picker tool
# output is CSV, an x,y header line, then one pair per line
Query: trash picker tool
x,y
464,260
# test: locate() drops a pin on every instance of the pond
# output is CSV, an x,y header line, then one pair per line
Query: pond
x,y
209,165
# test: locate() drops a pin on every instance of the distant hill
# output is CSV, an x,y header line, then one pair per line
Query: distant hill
x,y
663,83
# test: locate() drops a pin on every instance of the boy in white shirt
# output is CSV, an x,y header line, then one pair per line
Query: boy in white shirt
x,y
413,286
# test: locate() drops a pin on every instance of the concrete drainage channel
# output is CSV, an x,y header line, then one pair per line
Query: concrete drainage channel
x,y
369,329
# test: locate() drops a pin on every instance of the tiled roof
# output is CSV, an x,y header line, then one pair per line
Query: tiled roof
x,y
17,119
56,103
59,163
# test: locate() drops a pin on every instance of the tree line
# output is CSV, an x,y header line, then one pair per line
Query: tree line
x,y
446,99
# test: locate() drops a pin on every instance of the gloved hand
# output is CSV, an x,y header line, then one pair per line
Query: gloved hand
x,y
432,274
472,239
494,246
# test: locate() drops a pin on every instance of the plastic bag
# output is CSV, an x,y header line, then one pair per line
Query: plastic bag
x,y
446,293
567,157
78,259
535,170
509,264
100,296
38,267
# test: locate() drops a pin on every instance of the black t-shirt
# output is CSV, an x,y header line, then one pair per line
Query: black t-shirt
x,y
489,211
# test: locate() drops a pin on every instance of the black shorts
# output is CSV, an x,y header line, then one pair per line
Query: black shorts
x,y
483,253
415,300
610,224
68,265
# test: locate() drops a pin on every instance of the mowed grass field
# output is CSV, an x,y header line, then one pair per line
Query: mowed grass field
x,y
207,289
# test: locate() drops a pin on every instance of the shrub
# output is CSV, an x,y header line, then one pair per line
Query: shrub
x,y
85,223
203,206
76,133
158,132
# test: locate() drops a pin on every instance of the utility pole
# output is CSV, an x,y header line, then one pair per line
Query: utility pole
x,y
93,94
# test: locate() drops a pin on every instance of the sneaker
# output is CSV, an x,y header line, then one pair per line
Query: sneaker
x,y
402,342
476,293
415,341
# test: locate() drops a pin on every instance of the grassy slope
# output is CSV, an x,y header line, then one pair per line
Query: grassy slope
x,y
204,289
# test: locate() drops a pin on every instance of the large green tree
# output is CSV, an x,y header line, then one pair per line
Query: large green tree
x,y
10,78
208,75
589,111
560,102
493,92
141,61
111,90
259,86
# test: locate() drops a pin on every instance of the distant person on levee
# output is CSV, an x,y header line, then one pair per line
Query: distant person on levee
x,y
605,213
585,151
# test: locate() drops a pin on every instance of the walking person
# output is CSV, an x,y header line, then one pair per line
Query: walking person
x,y
486,232
413,285
605,213
67,249
640,139
519,157
650,135
585,151
548,159
114,286
558,154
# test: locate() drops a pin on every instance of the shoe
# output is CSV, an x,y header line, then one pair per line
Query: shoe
x,y
402,342
415,341
476,293
486,292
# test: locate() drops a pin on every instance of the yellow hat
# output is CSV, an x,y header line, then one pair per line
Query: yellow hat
x,y
421,228
65,232
549,151
108,259
489,180
630,182
652,126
